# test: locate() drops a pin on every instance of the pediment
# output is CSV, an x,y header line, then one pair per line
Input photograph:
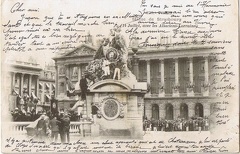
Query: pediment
x,y
110,86
82,50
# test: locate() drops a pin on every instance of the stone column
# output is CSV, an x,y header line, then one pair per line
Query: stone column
x,y
176,84
56,81
148,110
162,111
176,71
176,110
191,69
50,90
205,86
191,109
206,69
37,86
67,71
190,87
12,99
148,77
13,81
162,84
21,85
135,61
133,118
67,75
30,85
206,109
79,72
43,93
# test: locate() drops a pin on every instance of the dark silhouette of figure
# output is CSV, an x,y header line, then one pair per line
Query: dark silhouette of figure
x,y
83,87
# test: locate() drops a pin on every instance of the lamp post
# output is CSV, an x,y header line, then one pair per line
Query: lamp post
x,y
135,59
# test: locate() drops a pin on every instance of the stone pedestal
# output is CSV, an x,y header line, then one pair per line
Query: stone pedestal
x,y
190,92
205,91
118,108
175,92
94,130
161,93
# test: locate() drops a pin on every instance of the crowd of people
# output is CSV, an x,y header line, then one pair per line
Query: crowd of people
x,y
180,124
50,127
19,115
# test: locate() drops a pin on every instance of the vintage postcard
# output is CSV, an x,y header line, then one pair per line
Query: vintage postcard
x,y
102,76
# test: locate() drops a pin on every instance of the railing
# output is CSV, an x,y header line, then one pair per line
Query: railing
x,y
17,128
77,128
81,128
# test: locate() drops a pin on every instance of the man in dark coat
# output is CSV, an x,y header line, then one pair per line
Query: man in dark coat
x,y
54,126
191,128
60,125
66,127
83,86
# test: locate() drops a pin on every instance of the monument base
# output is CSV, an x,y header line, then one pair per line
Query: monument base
x,y
119,105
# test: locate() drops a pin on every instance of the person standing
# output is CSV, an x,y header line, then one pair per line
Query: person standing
x,y
105,67
181,125
46,119
60,125
206,124
83,87
54,127
191,126
118,66
41,128
66,128
154,124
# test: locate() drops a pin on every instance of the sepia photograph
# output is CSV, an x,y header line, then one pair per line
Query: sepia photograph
x,y
119,77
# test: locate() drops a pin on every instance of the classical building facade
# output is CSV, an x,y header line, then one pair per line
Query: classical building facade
x,y
46,87
21,82
179,82
71,65
178,79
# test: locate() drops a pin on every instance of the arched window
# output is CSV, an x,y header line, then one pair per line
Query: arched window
x,y
199,110
184,111
155,111
169,111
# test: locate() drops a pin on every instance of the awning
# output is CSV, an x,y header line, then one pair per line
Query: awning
x,y
40,85
48,97
33,95
47,85
15,92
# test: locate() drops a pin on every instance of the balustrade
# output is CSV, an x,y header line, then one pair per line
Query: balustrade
x,y
81,128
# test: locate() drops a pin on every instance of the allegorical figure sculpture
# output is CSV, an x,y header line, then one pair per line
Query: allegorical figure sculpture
x,y
118,42
110,60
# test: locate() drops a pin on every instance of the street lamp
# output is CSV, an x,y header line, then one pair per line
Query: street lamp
x,y
134,46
